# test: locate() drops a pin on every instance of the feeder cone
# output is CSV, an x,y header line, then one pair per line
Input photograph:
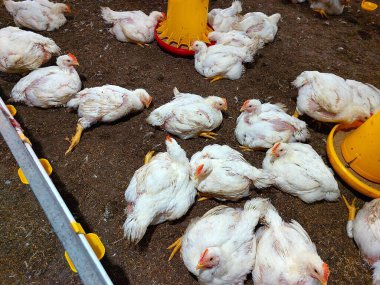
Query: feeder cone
x,y
354,154
186,22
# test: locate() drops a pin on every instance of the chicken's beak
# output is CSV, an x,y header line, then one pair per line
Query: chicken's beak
x,y
168,138
225,104
200,266
148,102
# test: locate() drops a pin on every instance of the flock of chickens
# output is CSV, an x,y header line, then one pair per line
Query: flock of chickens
x,y
276,252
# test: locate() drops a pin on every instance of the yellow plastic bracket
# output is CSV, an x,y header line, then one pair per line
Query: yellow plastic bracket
x,y
45,163
12,110
94,241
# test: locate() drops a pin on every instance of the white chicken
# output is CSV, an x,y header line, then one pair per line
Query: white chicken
x,y
329,98
237,39
286,255
365,230
51,86
220,61
106,103
189,115
301,172
331,7
132,26
159,191
220,247
222,172
259,25
21,51
263,125
222,20
38,15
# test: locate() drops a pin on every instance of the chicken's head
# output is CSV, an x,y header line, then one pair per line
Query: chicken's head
x,y
217,102
203,170
279,149
144,97
198,46
68,9
318,270
210,258
67,60
61,8
175,150
251,106
157,16
359,113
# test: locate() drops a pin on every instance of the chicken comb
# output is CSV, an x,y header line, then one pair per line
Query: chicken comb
x,y
203,255
72,56
199,169
326,271
275,147
168,138
68,8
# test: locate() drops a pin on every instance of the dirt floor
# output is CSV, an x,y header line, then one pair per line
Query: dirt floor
x,y
93,178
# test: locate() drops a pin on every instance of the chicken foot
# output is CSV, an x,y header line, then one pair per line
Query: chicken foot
x,y
214,78
351,208
202,197
209,135
175,246
247,148
148,156
75,139
321,12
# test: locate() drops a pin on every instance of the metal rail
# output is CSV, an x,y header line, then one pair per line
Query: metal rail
x,y
87,264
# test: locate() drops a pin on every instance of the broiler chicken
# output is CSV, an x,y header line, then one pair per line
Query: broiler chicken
x,y
38,15
106,103
189,115
365,230
220,61
301,172
329,98
21,51
237,39
222,20
159,191
220,247
331,7
263,125
222,172
132,26
285,254
259,25
51,86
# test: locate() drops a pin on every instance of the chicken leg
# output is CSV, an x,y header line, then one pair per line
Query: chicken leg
x,y
175,246
247,148
148,156
75,139
202,197
209,135
321,12
296,115
214,78
351,208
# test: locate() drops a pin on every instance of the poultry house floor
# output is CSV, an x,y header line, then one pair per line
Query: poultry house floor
x,y
93,178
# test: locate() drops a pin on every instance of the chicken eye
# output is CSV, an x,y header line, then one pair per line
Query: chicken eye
x,y
211,259
315,271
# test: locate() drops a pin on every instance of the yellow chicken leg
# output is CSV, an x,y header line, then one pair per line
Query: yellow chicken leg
x,y
296,115
175,246
148,156
351,208
75,139
214,78
202,197
247,148
209,135
321,12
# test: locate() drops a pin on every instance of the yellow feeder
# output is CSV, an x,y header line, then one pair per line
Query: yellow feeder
x,y
186,21
12,110
368,6
46,165
354,154
94,241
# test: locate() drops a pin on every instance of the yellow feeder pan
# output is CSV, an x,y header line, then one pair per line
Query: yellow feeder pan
x,y
97,246
369,6
12,110
45,163
354,154
186,22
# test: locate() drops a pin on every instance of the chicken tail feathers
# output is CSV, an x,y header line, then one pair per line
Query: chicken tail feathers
x,y
108,15
155,119
264,180
259,205
300,81
74,102
275,18
134,229
10,5
272,218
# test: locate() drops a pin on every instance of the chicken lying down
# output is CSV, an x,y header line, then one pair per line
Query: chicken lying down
x,y
159,191
301,172
262,125
51,86
237,39
220,247
285,254
329,98
331,7
106,103
259,25
189,115
365,230
132,26
38,15
222,172
221,61
222,20
21,51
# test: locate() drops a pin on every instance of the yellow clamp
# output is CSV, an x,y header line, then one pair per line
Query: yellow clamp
x,y
94,241
45,163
